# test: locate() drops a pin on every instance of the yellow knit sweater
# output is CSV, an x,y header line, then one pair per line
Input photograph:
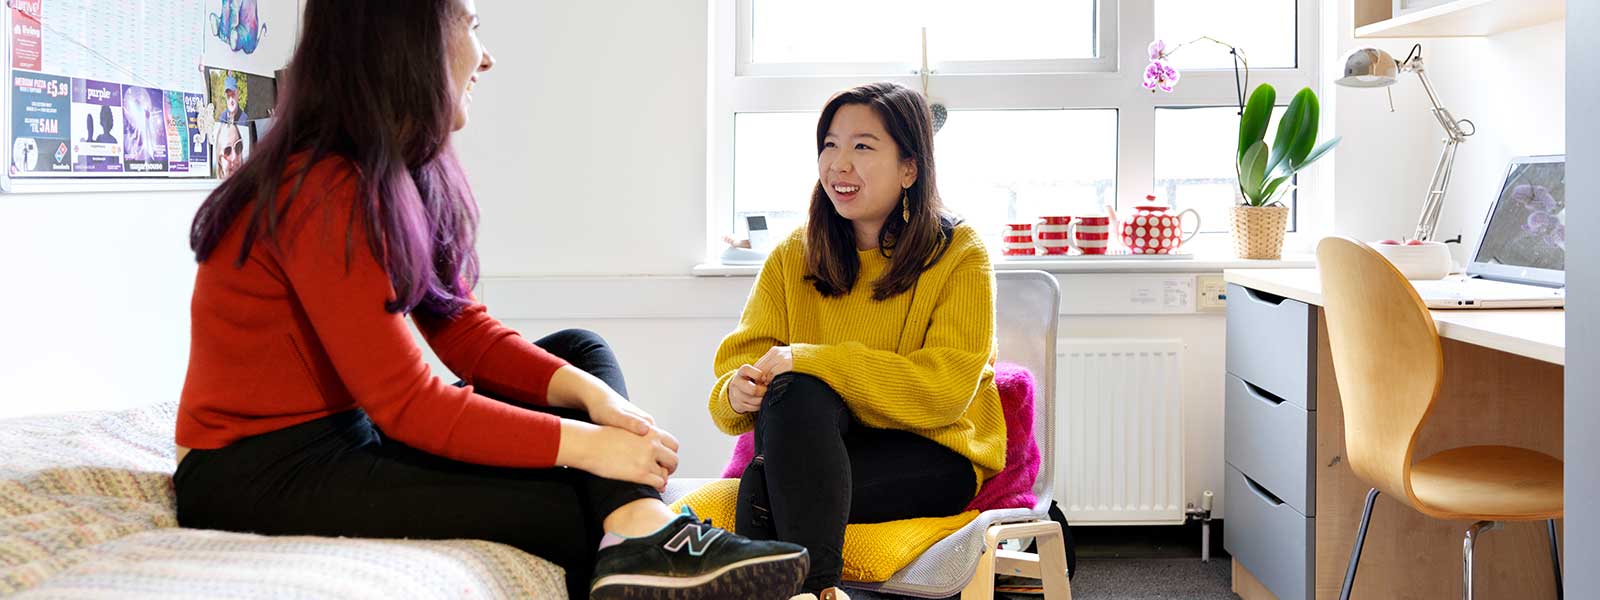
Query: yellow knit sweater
x,y
921,361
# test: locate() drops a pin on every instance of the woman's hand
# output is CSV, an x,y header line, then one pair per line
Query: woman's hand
x,y
746,389
573,388
610,409
620,455
779,360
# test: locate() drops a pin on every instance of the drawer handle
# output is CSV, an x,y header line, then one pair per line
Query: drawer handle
x,y
1264,297
1261,394
1261,491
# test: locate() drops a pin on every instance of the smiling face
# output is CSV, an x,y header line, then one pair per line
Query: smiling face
x,y
861,170
468,57
230,142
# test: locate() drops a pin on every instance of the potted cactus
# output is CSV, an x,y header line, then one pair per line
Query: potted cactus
x,y
1266,172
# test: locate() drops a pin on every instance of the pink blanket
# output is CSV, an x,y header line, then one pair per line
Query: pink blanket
x,y
1012,487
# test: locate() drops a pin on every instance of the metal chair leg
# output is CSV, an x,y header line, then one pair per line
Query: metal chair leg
x,y
1555,557
1473,533
1355,553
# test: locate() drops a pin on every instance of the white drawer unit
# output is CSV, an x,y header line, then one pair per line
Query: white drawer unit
x,y
1269,344
1270,440
1270,538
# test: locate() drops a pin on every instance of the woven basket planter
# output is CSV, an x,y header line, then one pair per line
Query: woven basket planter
x,y
1258,231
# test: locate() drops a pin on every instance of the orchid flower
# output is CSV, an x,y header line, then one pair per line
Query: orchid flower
x,y
1160,74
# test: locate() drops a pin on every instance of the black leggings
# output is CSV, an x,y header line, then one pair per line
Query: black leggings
x,y
340,476
821,469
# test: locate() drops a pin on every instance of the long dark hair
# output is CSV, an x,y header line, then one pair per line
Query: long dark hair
x,y
368,84
912,245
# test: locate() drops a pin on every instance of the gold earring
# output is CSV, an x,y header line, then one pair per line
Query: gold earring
x,y
905,205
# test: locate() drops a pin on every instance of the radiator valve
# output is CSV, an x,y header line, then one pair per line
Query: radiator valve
x,y
1203,515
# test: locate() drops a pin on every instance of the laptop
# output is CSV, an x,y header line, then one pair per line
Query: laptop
x,y
1521,257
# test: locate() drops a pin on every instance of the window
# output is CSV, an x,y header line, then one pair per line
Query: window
x,y
889,31
1263,28
1005,166
995,166
1194,166
1047,114
775,167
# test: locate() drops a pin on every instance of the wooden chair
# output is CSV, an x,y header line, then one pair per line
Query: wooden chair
x,y
1388,363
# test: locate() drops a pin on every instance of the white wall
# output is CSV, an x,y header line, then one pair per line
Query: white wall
x,y
587,146
1583,308
95,292
587,155
1510,85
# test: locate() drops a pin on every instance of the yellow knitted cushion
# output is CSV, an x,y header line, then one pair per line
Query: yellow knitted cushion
x,y
872,552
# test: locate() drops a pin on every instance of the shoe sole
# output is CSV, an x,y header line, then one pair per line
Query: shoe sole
x,y
774,577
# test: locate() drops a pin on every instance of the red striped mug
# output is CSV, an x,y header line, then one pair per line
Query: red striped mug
x,y
1053,235
1092,234
1017,239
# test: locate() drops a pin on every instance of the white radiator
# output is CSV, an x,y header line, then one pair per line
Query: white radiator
x,y
1119,428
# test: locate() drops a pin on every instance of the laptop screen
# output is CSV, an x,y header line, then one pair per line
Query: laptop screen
x,y
1527,228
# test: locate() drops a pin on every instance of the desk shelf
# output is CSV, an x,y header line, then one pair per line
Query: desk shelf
x,y
1457,18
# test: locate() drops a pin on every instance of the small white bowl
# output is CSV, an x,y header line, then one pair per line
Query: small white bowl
x,y
1428,260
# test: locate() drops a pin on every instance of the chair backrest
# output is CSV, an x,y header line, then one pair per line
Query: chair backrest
x,y
1027,310
1386,358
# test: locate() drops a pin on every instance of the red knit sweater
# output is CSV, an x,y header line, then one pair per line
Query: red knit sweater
x,y
297,333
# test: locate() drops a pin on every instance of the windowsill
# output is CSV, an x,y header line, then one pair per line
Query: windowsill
x,y
1204,262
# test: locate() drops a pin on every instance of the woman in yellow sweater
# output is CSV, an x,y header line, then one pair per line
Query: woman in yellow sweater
x,y
864,357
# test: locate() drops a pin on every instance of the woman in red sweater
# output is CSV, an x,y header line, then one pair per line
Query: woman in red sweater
x,y
308,408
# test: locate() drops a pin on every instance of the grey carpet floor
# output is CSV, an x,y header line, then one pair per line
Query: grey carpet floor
x,y
1153,579
1139,579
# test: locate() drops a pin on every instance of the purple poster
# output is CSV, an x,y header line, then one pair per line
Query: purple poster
x,y
96,126
144,145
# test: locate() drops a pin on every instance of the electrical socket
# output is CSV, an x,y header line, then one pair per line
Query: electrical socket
x,y
1212,293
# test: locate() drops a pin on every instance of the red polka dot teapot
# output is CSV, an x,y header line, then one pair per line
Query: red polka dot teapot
x,y
1149,229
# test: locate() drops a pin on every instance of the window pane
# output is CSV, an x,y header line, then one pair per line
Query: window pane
x,y
852,31
1263,29
774,168
1195,150
1005,166
994,167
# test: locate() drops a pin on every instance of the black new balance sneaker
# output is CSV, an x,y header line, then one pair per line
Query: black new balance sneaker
x,y
690,560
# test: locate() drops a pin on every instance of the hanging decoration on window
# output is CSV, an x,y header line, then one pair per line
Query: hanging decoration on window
x,y
940,112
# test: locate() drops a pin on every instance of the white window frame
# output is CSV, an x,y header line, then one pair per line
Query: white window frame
x,y
1112,80
1104,60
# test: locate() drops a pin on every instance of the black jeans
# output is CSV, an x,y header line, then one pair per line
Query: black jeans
x,y
341,476
817,469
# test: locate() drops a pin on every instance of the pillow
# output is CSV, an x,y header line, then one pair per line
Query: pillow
x,y
1012,487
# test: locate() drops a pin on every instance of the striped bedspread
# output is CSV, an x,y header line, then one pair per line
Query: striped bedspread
x,y
86,511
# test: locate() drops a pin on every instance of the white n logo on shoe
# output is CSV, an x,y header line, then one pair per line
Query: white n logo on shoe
x,y
697,538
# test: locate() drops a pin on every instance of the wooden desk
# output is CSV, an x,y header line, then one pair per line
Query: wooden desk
x,y
1503,385
1537,333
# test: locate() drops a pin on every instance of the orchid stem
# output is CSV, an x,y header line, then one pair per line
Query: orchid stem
x,y
1239,59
